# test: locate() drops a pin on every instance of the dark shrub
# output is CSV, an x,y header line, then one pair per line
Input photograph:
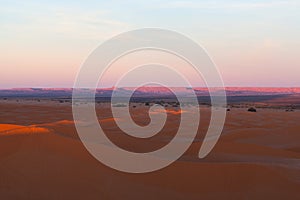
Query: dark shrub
x,y
251,109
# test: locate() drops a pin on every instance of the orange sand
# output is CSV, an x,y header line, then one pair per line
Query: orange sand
x,y
257,157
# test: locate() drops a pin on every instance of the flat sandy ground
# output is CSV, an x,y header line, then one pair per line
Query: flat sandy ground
x,y
41,157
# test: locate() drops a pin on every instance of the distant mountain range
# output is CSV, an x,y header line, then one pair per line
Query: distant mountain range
x,y
148,91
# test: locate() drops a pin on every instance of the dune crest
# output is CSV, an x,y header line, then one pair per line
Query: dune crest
x,y
12,129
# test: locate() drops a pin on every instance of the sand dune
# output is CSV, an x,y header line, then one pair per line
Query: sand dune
x,y
42,157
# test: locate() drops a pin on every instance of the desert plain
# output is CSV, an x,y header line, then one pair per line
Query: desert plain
x,y
42,157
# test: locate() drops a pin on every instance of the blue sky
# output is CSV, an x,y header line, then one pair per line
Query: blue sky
x,y
254,43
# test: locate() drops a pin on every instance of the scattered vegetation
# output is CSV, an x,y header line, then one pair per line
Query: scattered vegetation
x,y
289,110
120,105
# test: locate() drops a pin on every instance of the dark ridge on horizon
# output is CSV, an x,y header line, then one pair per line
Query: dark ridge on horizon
x,y
150,91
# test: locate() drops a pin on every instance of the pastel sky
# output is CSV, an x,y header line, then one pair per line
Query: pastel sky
x,y
253,43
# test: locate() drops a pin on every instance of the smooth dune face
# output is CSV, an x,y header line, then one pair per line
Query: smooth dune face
x,y
8,127
42,157
11,129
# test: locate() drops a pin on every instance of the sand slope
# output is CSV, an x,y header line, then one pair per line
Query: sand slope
x,y
257,158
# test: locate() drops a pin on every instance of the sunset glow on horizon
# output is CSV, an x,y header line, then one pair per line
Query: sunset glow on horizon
x,y
253,43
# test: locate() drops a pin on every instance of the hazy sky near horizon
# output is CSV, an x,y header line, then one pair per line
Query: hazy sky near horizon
x,y
253,43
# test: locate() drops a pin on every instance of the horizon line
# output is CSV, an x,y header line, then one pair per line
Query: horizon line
x,y
20,88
